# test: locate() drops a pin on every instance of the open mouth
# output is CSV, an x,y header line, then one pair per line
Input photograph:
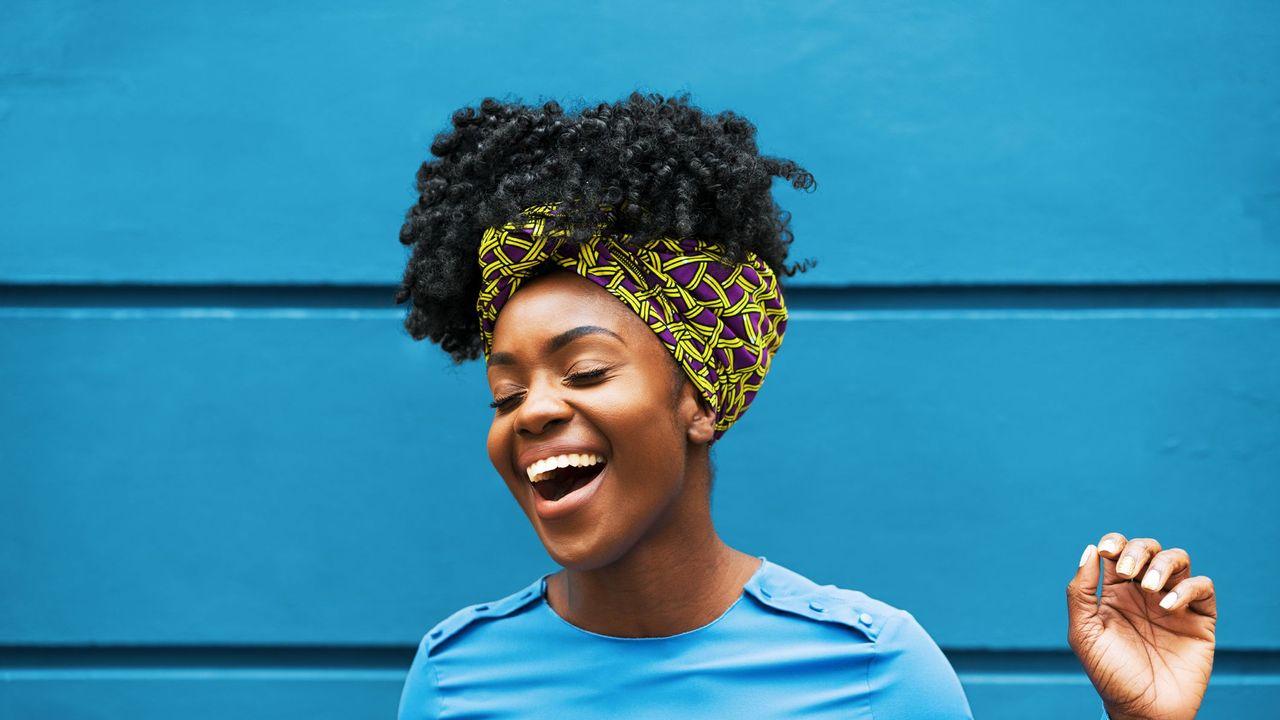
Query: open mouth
x,y
556,477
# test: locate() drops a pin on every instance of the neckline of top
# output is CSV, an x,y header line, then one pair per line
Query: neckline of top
x,y
751,586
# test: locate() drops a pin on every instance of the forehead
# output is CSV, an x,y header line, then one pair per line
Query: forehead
x,y
561,300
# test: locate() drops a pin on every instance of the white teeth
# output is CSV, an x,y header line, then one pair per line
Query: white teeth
x,y
537,470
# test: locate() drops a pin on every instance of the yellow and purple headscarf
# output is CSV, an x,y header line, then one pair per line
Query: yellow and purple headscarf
x,y
721,321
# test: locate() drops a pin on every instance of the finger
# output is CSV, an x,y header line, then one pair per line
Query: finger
x,y
1166,566
1082,594
1135,556
1109,548
1194,592
1110,545
1085,582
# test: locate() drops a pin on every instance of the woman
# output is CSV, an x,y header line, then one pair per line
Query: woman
x,y
617,268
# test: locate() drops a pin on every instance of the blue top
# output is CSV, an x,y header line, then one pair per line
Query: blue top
x,y
787,647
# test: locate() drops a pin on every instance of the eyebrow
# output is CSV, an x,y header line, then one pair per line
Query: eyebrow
x,y
558,342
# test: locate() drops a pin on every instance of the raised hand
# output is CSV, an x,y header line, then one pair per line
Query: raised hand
x,y
1148,644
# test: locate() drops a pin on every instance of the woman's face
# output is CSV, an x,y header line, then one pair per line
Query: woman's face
x,y
579,379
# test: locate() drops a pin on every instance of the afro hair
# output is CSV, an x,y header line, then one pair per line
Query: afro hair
x,y
669,168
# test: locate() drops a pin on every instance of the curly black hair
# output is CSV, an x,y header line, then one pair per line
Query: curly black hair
x,y
669,168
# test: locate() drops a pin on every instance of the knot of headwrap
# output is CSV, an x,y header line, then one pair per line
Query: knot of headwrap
x,y
721,321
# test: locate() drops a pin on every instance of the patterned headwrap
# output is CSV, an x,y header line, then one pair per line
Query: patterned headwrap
x,y
721,321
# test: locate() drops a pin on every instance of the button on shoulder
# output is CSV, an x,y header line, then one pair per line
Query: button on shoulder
x,y
789,591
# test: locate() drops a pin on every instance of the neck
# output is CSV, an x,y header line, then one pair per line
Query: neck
x,y
680,577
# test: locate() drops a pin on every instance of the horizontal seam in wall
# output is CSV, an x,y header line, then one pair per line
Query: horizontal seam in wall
x,y
850,298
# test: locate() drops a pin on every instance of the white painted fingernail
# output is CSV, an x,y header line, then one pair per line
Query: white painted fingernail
x,y
1127,565
1084,557
1169,600
1152,580
1108,546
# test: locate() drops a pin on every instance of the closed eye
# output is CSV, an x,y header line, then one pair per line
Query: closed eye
x,y
586,375
503,403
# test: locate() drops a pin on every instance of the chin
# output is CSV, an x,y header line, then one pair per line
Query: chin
x,y
580,553
576,556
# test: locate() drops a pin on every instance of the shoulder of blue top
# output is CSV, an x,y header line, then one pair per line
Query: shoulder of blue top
x,y
458,621
788,591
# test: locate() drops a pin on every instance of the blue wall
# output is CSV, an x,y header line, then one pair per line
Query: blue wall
x,y
1048,306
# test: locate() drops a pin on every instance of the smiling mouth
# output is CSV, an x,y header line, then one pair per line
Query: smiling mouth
x,y
556,482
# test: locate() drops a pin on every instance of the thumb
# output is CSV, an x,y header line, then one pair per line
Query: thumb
x,y
1082,594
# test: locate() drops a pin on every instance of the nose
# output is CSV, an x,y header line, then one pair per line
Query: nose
x,y
543,408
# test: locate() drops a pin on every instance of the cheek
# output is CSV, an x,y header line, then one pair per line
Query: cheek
x,y
641,423
499,453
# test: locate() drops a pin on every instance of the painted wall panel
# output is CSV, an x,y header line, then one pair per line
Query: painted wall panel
x,y
201,695
990,142
288,476
350,695
1047,306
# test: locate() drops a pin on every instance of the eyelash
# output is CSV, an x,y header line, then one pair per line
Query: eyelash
x,y
499,403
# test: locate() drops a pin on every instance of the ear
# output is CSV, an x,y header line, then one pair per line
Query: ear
x,y
699,417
